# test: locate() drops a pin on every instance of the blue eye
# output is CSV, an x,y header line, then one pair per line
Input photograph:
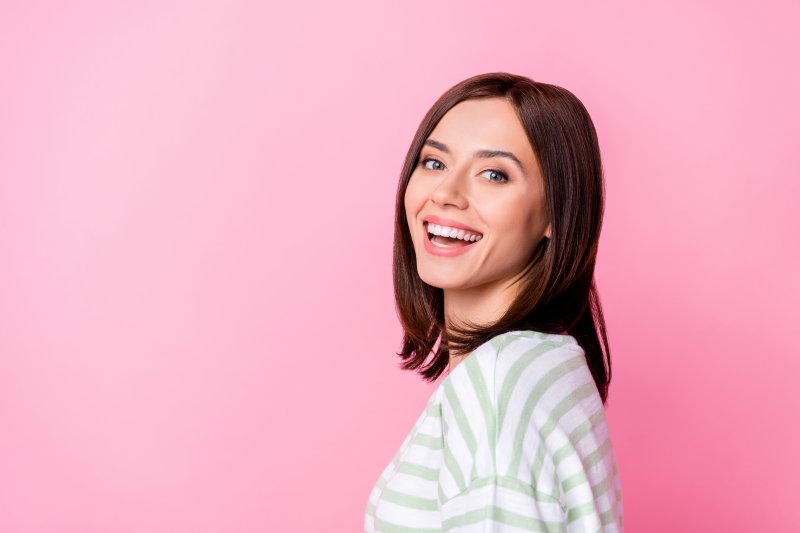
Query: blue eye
x,y
429,159
497,173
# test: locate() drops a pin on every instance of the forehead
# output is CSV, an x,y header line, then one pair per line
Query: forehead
x,y
486,123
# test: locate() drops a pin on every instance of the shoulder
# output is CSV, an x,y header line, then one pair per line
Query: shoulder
x,y
545,367
523,411
523,360
524,381
529,375
499,407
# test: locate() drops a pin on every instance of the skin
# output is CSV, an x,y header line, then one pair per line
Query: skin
x,y
480,284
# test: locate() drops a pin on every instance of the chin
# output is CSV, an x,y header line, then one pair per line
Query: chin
x,y
440,280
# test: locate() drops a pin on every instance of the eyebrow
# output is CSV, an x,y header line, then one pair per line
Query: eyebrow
x,y
478,153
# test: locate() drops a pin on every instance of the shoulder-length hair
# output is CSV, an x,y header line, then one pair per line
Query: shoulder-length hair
x,y
558,291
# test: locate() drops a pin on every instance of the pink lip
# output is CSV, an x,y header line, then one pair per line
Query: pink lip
x,y
447,222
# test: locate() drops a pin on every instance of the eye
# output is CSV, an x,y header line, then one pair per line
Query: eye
x,y
429,159
503,176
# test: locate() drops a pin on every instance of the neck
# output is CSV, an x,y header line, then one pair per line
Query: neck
x,y
483,305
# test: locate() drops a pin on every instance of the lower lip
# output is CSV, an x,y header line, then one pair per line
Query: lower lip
x,y
446,252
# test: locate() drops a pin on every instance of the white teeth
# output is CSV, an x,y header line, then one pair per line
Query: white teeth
x,y
456,233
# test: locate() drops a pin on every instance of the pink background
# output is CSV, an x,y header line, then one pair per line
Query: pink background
x,y
197,326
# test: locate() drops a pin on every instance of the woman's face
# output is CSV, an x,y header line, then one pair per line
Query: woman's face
x,y
466,173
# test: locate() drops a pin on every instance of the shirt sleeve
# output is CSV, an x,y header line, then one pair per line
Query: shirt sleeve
x,y
521,432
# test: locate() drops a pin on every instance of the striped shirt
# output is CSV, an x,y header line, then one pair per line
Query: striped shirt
x,y
513,439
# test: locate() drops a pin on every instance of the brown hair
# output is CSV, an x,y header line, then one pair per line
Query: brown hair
x,y
558,291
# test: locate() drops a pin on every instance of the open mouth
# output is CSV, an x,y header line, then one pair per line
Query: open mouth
x,y
444,237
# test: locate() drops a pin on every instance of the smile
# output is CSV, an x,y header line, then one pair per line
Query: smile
x,y
447,241
452,233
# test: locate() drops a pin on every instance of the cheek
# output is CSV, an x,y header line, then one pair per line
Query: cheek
x,y
412,199
408,205
516,225
412,207
515,241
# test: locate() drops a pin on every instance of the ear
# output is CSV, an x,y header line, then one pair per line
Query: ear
x,y
547,232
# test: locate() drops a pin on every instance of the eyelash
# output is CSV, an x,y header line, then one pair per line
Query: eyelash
x,y
496,171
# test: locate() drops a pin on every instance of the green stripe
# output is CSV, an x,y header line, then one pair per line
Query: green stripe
x,y
413,437
461,419
497,514
452,466
554,482
499,342
481,391
515,373
434,410
407,442
510,383
602,487
585,428
538,461
608,517
573,481
422,472
409,500
538,391
599,454
510,483
597,490
581,510
568,450
429,441
570,401
388,527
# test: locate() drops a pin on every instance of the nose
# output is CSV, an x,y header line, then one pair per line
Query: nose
x,y
449,190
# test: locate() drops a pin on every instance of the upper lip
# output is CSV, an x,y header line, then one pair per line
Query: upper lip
x,y
448,222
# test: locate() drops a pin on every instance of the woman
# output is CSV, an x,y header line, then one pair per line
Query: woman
x,y
499,210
